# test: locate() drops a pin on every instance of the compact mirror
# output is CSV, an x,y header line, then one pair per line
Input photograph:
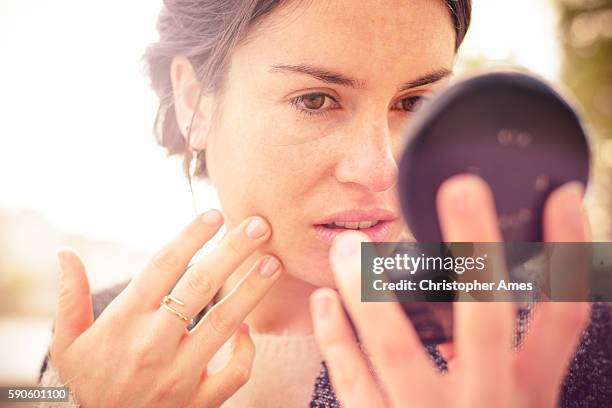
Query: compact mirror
x,y
515,132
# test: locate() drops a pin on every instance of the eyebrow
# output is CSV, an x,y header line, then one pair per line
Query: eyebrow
x,y
340,79
426,79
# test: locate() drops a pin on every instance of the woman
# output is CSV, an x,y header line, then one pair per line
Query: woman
x,y
294,111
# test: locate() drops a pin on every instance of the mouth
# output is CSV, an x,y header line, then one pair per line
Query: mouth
x,y
377,224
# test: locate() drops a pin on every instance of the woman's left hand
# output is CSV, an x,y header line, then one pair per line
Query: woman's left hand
x,y
486,371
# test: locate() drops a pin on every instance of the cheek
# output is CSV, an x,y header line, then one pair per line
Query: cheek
x,y
252,177
280,184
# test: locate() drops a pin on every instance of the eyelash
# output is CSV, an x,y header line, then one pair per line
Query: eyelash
x,y
295,103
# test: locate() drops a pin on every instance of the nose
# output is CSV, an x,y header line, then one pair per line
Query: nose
x,y
367,158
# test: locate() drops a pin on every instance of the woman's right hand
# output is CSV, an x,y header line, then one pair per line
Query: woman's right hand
x,y
139,354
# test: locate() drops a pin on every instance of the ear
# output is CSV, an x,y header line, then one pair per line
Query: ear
x,y
186,90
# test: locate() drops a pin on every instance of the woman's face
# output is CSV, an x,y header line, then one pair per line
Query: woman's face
x,y
309,126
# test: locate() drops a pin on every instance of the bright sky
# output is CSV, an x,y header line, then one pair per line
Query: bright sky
x,y
76,111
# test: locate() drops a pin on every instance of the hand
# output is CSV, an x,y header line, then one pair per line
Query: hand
x,y
138,354
485,371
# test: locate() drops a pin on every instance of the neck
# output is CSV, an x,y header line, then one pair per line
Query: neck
x,y
285,307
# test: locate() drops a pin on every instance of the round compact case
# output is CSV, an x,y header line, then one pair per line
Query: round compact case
x,y
512,130
509,128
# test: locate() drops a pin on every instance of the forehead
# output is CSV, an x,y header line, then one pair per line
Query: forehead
x,y
365,38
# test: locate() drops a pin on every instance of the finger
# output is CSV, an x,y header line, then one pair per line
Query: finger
x,y
566,228
467,214
546,352
483,331
74,310
350,375
225,317
148,287
220,386
556,327
467,211
564,217
404,368
203,280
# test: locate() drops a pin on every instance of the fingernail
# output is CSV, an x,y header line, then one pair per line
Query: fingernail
x,y
256,228
269,266
322,304
211,217
465,193
347,243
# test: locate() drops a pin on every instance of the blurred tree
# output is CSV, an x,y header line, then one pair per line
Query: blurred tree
x,y
586,36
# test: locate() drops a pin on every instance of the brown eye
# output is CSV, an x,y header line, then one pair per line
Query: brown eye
x,y
411,104
313,102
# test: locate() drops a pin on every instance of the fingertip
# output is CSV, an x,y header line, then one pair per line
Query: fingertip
x,y
212,217
321,302
66,249
257,227
573,189
72,270
243,339
270,266
458,185
344,256
329,320
460,191
65,256
348,243
568,195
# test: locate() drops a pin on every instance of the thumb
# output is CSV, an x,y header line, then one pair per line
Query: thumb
x,y
74,309
345,255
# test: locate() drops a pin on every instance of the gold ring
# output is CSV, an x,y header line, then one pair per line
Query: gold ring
x,y
165,303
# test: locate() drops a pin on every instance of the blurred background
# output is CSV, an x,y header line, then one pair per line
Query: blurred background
x,y
79,166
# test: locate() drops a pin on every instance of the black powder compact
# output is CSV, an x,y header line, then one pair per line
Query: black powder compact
x,y
509,128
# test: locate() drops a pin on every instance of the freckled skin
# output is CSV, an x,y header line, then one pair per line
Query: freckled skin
x,y
265,157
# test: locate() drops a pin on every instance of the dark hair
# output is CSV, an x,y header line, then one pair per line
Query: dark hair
x,y
206,32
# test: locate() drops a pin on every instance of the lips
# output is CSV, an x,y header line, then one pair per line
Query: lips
x,y
377,224
352,224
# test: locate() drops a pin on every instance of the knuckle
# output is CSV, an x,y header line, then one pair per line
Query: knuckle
x,y
233,247
165,260
220,323
199,283
168,389
144,355
251,288
240,373
122,388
